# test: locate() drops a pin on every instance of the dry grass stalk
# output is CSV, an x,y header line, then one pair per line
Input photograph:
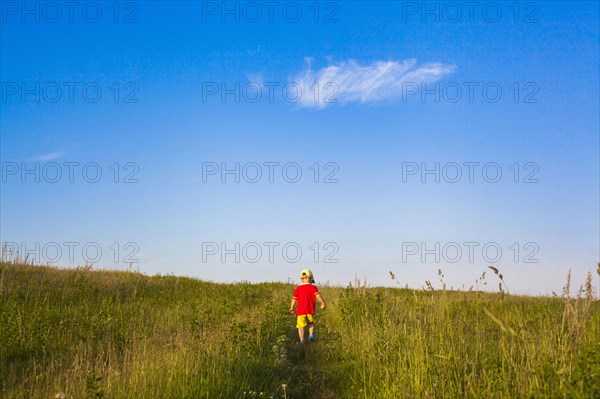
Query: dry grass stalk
x,y
575,316
589,295
501,277
500,323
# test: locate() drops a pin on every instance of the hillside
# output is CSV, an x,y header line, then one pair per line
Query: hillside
x,y
75,333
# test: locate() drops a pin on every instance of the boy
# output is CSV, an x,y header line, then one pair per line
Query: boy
x,y
304,296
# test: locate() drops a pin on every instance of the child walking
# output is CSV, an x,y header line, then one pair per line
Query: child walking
x,y
304,296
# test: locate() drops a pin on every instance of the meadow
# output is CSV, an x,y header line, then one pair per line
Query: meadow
x,y
82,333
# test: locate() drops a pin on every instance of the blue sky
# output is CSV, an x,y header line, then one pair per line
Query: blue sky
x,y
162,59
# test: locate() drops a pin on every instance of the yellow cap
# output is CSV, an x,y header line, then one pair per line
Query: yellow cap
x,y
306,272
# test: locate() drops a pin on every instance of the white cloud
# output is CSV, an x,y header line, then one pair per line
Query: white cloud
x,y
348,81
50,156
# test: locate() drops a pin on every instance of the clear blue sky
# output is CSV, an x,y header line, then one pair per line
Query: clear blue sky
x,y
163,59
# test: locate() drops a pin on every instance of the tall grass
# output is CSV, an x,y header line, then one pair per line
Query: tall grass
x,y
441,344
81,333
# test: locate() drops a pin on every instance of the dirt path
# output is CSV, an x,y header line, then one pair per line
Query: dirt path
x,y
312,366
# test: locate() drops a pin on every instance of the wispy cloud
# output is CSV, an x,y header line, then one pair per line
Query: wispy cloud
x,y
50,156
349,81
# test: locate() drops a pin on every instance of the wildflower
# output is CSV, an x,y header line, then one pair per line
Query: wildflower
x,y
60,395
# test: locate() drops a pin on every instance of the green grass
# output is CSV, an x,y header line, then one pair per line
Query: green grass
x,y
109,334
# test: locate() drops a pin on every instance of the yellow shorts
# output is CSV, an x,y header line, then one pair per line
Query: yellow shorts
x,y
304,320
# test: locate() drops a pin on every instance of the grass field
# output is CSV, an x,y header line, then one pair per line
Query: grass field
x,y
79,333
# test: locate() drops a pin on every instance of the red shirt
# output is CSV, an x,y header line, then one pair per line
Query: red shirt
x,y
305,294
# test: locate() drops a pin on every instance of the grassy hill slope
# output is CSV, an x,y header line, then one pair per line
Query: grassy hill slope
x,y
82,333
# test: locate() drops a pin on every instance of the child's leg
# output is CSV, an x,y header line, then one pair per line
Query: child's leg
x,y
311,328
301,333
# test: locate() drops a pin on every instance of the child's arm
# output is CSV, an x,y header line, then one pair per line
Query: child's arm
x,y
321,300
293,305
